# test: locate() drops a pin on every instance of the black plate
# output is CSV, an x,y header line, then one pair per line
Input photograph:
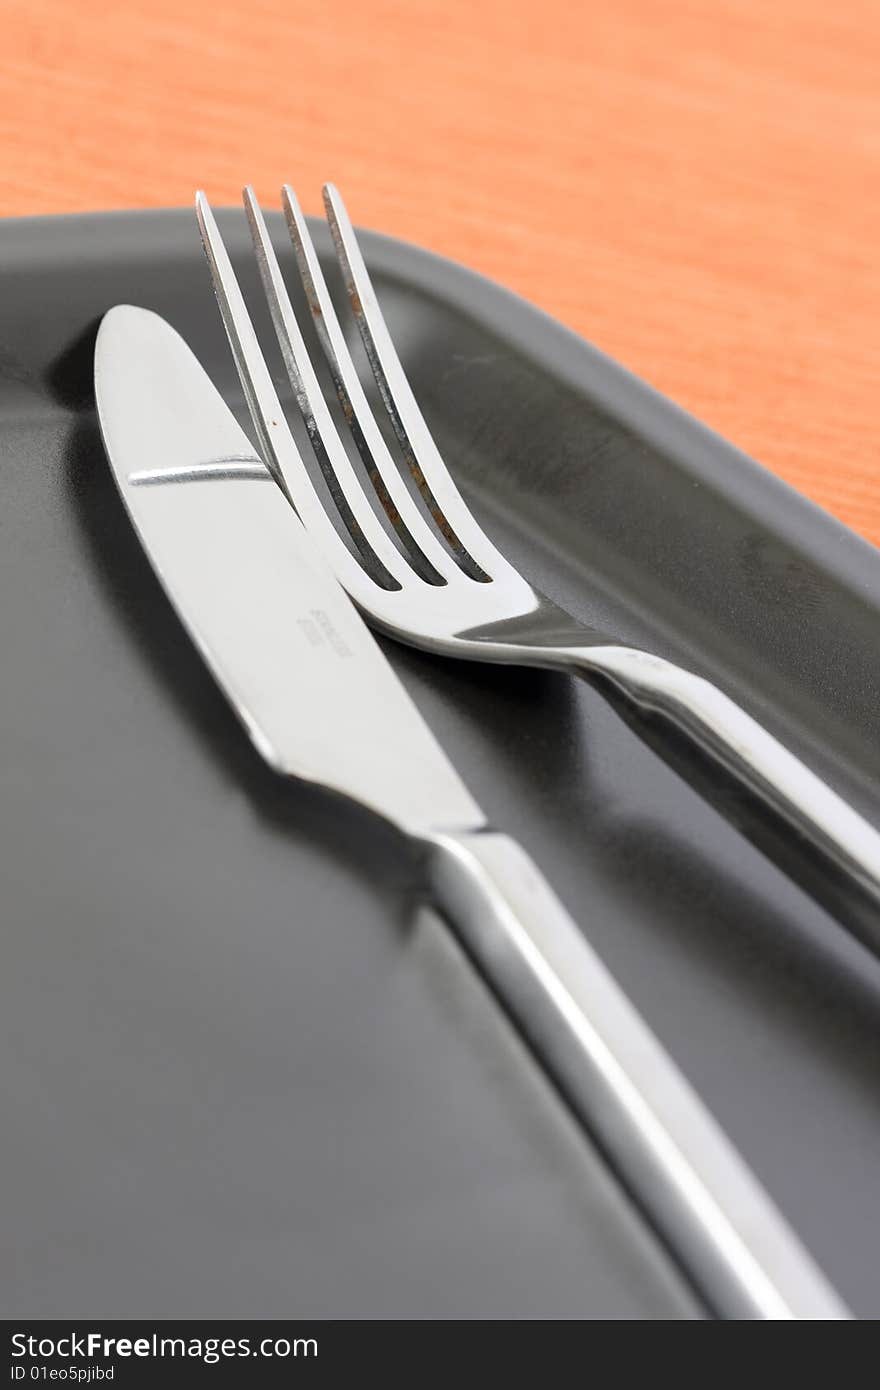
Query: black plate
x,y
242,1073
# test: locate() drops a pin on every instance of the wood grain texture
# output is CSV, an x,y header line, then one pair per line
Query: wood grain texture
x,y
693,185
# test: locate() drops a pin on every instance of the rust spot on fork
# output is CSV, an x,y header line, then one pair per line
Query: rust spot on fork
x,y
461,553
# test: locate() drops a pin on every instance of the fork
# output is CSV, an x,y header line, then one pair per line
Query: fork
x,y
419,566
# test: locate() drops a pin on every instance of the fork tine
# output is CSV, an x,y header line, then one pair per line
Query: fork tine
x,y
420,451
350,391
279,447
425,553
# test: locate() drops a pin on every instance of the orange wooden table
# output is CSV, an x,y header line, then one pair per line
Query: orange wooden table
x,y
692,185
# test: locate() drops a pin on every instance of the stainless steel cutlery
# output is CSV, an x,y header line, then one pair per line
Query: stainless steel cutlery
x,y
406,547
251,582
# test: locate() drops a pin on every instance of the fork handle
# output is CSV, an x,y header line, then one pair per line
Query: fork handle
x,y
794,817
699,1194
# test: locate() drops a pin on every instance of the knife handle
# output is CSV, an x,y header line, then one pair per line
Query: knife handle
x,y
720,1223
773,798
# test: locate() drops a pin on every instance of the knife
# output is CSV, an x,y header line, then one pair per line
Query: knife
x,y
320,702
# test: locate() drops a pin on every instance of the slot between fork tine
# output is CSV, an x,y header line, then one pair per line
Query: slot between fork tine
x,y
381,468
423,551
479,556
278,445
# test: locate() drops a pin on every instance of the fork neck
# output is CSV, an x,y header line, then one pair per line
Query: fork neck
x,y
545,636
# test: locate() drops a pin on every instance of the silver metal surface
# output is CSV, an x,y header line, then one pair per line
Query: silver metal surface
x,y
433,578
319,701
304,675
652,1124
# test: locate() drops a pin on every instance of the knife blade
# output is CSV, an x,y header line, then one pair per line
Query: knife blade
x,y
320,702
283,643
